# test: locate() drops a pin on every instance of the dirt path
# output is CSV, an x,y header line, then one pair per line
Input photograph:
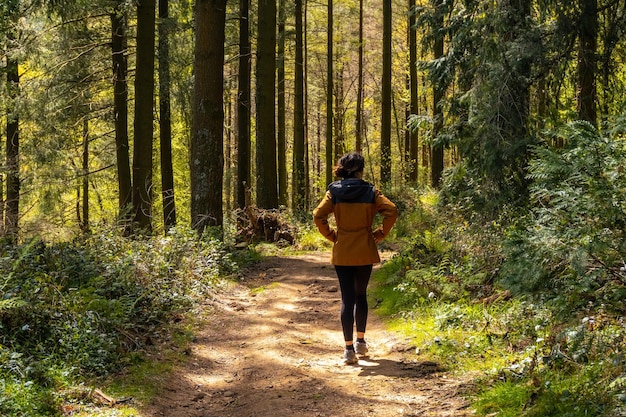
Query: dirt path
x,y
273,348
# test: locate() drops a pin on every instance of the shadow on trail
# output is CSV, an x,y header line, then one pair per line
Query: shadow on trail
x,y
397,368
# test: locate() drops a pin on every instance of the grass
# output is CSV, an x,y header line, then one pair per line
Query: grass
x,y
263,288
453,336
504,400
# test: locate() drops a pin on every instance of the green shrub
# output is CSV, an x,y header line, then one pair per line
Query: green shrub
x,y
78,309
574,240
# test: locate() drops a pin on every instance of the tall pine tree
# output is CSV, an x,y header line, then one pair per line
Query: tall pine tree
x,y
207,142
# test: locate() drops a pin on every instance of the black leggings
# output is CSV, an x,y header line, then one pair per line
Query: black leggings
x,y
353,281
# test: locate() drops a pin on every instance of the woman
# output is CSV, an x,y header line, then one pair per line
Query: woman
x,y
354,203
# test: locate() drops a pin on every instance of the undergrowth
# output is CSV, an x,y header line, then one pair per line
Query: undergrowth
x,y
525,358
74,313
531,305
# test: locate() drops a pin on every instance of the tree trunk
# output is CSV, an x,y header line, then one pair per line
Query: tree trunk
x,y
165,120
587,45
385,132
144,101
267,186
207,142
513,101
317,151
359,93
120,110
12,204
329,96
340,147
611,34
243,105
282,146
414,104
436,165
85,184
229,122
406,157
307,147
299,166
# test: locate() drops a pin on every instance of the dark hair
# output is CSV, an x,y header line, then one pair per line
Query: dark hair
x,y
349,165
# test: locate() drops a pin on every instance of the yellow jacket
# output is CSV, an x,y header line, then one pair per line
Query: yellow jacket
x,y
354,204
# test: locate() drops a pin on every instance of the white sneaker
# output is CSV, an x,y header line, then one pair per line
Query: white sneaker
x,y
349,357
361,348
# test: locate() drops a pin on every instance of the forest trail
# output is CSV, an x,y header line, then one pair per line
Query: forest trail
x,y
272,347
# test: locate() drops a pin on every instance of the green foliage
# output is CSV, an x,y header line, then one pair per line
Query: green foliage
x,y
79,309
446,290
444,258
489,61
309,238
505,399
19,398
570,369
574,240
413,208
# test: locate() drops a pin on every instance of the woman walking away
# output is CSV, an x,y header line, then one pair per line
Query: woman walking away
x,y
354,203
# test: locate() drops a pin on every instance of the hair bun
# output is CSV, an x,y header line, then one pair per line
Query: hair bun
x,y
349,165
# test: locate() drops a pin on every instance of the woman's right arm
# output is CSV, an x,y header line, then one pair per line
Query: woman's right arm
x,y
320,217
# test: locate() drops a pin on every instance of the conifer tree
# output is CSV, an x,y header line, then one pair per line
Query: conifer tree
x,y
243,104
299,165
144,101
385,130
119,59
165,119
207,142
267,180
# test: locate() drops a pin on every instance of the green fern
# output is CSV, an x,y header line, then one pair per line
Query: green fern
x,y
11,304
574,239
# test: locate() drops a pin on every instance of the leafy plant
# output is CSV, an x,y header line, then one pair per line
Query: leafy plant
x,y
574,239
82,309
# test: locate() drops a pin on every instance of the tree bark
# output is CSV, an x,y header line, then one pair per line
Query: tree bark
x,y
12,204
144,101
587,61
243,104
338,112
329,96
85,184
385,132
414,103
299,166
514,100
281,108
120,110
359,94
436,164
165,120
207,142
305,65
267,181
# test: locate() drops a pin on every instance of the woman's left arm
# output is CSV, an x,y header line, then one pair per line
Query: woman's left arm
x,y
389,211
